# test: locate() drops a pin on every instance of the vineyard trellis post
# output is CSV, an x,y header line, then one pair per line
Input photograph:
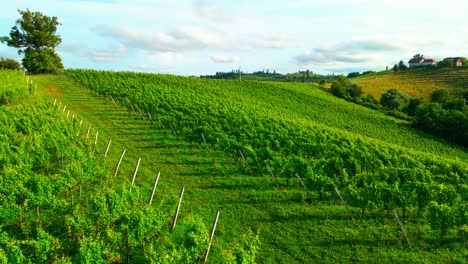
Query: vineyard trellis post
x,y
154,189
204,140
107,148
403,230
344,203
273,176
135,173
120,161
173,130
161,123
304,186
95,141
213,229
178,208
87,133
245,162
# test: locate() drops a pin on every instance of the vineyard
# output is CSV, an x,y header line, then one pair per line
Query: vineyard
x,y
316,179
391,171
415,82
60,202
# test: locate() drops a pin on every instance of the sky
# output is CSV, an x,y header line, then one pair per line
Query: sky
x,y
197,37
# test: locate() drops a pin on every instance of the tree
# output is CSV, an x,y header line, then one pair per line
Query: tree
x,y
440,96
394,100
395,68
418,56
447,63
35,35
355,91
402,66
9,64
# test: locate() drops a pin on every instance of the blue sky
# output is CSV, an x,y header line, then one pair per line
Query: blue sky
x,y
193,37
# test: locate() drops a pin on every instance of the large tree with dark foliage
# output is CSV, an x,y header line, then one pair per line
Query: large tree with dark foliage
x,y
395,100
35,36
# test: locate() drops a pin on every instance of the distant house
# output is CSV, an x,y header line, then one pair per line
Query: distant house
x,y
457,61
418,62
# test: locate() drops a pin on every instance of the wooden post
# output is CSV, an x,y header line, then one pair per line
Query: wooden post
x,y
161,123
87,133
305,187
213,229
154,189
343,202
113,100
204,140
178,208
79,128
135,172
95,142
107,148
37,211
132,108
55,101
150,117
118,164
173,130
64,107
272,175
401,227
68,113
141,113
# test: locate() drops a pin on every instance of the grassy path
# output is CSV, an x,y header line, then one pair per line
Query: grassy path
x,y
291,230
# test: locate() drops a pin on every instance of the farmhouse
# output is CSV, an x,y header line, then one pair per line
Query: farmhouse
x,y
457,61
418,62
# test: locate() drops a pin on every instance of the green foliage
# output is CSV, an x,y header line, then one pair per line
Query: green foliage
x,y
9,64
344,88
35,35
440,96
449,123
42,61
445,63
402,66
394,100
14,85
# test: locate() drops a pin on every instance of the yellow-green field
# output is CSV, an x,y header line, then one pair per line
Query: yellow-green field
x,y
414,82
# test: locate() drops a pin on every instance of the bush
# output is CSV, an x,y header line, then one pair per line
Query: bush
x,y
9,64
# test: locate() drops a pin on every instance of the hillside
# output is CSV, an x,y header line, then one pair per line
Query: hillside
x,y
294,128
418,82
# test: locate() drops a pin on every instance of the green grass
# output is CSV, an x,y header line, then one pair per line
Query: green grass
x,y
291,230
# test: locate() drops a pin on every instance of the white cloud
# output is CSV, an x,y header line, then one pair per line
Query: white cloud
x,y
225,59
209,9
97,55
182,38
168,58
359,51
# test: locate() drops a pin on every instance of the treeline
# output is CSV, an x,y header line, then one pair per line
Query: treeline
x,y
267,75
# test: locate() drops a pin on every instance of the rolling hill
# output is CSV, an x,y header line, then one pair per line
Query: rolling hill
x,y
417,83
376,163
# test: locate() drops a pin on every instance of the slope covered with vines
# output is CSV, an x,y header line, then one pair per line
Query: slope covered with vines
x,y
377,164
